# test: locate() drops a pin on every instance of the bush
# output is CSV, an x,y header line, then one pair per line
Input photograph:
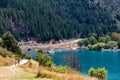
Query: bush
x,y
98,46
25,56
61,69
100,73
111,44
83,42
44,60
92,72
40,51
5,53
92,40
65,69
104,39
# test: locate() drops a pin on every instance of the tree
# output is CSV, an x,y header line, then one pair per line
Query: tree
x,y
104,39
44,60
92,40
10,43
115,36
72,61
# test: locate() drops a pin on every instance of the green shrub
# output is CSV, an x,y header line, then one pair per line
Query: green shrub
x,y
44,60
61,69
65,69
92,72
104,39
100,73
5,53
98,46
92,40
111,44
40,51
83,42
25,56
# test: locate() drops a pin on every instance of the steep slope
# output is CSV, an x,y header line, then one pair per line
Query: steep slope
x,y
44,20
111,5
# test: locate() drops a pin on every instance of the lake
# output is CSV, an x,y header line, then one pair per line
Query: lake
x,y
87,59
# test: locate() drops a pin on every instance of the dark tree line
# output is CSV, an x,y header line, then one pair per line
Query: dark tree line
x,y
44,20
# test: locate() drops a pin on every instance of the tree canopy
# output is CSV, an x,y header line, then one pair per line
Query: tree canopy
x,y
44,20
10,43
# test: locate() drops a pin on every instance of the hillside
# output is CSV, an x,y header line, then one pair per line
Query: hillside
x,y
111,5
43,20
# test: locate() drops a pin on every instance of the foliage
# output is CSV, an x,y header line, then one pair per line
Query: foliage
x,y
61,69
111,44
44,20
92,40
104,39
92,72
1,42
115,36
40,51
98,46
83,42
10,43
25,56
64,69
44,60
5,53
100,73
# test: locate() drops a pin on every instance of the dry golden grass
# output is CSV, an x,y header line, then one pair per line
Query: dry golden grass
x,y
50,74
6,57
6,61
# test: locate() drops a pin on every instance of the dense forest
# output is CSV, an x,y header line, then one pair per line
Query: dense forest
x,y
44,20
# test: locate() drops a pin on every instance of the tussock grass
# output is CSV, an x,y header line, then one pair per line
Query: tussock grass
x,y
45,72
6,57
5,53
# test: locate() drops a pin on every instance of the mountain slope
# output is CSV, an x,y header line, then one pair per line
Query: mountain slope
x,y
111,5
44,20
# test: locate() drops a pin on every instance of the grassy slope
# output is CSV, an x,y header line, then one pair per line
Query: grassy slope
x,y
49,73
26,72
16,73
8,58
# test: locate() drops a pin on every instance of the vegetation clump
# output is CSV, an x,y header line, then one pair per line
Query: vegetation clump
x,y
97,46
100,73
10,43
44,59
101,42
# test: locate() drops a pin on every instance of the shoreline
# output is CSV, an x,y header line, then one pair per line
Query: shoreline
x,y
67,44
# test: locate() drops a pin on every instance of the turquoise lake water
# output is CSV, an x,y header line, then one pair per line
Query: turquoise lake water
x,y
87,59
